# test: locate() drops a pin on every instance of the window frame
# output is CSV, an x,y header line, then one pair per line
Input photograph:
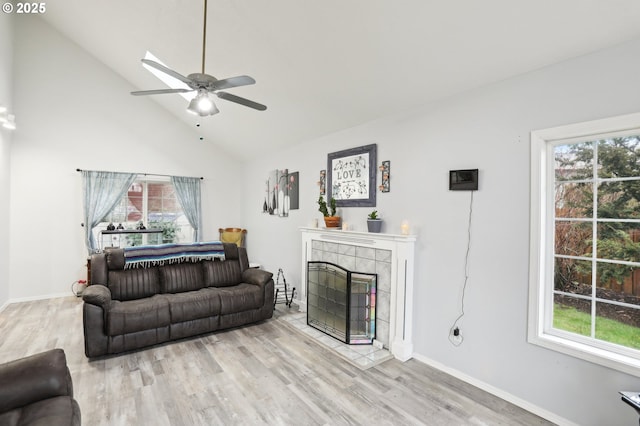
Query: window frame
x,y
541,248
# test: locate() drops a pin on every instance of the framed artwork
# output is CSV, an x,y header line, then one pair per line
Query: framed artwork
x,y
385,168
351,176
277,200
323,182
294,191
270,205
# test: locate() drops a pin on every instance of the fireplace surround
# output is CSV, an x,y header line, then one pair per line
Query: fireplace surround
x,y
390,257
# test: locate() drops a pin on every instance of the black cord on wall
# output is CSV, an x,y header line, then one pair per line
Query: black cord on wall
x,y
455,336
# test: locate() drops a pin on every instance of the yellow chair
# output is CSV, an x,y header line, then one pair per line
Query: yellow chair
x,y
232,235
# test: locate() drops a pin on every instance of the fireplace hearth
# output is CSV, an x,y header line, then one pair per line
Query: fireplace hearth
x,y
341,303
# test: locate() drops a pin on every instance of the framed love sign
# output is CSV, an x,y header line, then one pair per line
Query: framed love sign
x,y
351,176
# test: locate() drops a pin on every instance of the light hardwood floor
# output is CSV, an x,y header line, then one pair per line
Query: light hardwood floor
x,y
259,374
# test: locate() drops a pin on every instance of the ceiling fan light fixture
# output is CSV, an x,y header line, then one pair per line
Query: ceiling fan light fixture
x,y
203,104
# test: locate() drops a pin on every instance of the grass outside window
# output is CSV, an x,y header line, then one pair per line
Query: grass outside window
x,y
570,319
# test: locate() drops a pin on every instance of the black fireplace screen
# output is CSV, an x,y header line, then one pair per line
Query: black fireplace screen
x,y
341,303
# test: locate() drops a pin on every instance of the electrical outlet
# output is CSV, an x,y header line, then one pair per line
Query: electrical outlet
x,y
456,336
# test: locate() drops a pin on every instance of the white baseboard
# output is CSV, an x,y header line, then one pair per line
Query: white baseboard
x,y
32,298
548,415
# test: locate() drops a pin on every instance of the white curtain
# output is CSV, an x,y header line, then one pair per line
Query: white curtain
x,y
188,192
102,191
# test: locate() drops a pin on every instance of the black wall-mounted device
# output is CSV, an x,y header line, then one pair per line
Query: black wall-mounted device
x,y
463,180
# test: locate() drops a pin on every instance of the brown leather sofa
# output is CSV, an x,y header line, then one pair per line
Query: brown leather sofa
x,y
126,309
37,390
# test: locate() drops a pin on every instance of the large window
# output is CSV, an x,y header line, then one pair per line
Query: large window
x,y
154,204
585,241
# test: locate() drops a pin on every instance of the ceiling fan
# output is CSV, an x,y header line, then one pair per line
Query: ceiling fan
x,y
206,85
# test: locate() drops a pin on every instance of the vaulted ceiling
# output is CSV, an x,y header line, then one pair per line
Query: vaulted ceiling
x,y
322,66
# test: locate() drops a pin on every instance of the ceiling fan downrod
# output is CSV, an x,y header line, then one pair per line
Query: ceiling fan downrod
x,y
204,35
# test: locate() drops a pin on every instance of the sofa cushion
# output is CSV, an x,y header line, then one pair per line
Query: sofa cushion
x,y
34,378
115,258
61,410
241,297
222,274
180,277
131,284
192,305
230,251
137,315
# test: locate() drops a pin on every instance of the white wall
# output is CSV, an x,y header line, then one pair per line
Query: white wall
x,y
6,64
74,112
486,129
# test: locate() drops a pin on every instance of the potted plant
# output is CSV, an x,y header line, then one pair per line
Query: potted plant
x,y
374,223
330,220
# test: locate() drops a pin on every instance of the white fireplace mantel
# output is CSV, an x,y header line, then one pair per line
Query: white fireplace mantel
x,y
402,248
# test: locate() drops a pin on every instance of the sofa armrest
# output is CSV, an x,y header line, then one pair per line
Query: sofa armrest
x,y
34,378
256,276
98,295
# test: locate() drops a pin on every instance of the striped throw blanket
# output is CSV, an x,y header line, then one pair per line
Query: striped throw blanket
x,y
156,255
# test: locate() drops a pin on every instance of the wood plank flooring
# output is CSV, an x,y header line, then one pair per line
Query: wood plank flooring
x,y
263,374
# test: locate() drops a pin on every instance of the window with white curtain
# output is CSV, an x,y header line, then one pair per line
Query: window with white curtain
x,y
152,202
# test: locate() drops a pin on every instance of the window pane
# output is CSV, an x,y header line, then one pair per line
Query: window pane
x,y
572,314
119,213
574,161
619,241
574,200
134,202
573,238
155,200
163,204
618,324
166,213
619,157
619,200
572,276
130,207
618,282
168,191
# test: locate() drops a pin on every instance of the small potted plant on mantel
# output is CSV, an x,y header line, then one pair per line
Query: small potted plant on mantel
x,y
374,223
330,220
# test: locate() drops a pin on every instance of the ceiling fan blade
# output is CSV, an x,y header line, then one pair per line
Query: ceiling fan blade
x,y
159,91
227,83
242,101
167,71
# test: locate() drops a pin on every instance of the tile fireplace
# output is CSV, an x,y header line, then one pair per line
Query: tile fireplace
x,y
390,258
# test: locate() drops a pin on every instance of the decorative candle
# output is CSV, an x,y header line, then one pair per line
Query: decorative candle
x,y
345,226
404,228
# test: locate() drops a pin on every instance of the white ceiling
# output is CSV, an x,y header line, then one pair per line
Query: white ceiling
x,y
322,66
